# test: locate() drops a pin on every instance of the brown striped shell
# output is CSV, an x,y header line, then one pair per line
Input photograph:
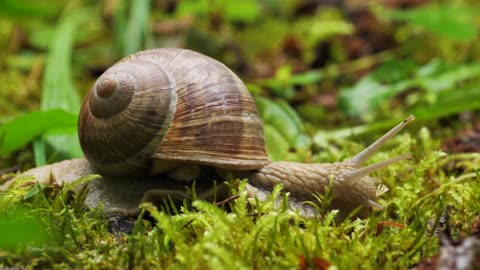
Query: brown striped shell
x,y
170,104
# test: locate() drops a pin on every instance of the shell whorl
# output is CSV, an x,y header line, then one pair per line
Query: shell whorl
x,y
170,104
126,115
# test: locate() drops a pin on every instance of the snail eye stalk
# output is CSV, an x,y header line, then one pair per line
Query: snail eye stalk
x,y
363,156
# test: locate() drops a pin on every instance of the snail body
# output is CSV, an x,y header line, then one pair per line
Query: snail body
x,y
180,108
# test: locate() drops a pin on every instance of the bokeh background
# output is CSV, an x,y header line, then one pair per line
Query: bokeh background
x,y
328,76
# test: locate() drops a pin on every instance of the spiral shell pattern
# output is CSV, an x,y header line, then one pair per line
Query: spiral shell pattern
x,y
170,104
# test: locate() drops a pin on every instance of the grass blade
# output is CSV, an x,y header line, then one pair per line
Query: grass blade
x,y
58,89
137,27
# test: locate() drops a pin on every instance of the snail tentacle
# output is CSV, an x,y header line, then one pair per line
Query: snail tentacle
x,y
354,175
363,156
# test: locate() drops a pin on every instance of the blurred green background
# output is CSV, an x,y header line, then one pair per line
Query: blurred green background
x,y
328,76
316,68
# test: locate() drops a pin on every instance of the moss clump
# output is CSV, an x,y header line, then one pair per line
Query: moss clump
x,y
246,234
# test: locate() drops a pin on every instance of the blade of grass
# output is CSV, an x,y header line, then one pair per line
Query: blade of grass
x,y
119,25
58,89
137,27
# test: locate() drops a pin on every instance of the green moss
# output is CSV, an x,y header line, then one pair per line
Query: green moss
x,y
246,234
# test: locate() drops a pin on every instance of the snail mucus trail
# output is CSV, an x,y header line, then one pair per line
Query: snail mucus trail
x,y
173,97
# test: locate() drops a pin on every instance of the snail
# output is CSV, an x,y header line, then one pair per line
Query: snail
x,y
160,119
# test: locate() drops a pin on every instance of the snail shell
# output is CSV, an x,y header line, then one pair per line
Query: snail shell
x,y
170,104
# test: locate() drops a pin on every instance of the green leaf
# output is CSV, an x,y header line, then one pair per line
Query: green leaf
x,y
456,23
369,94
242,11
322,29
20,131
284,129
58,88
284,81
277,145
449,78
28,8
321,137
450,102
192,7
394,70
